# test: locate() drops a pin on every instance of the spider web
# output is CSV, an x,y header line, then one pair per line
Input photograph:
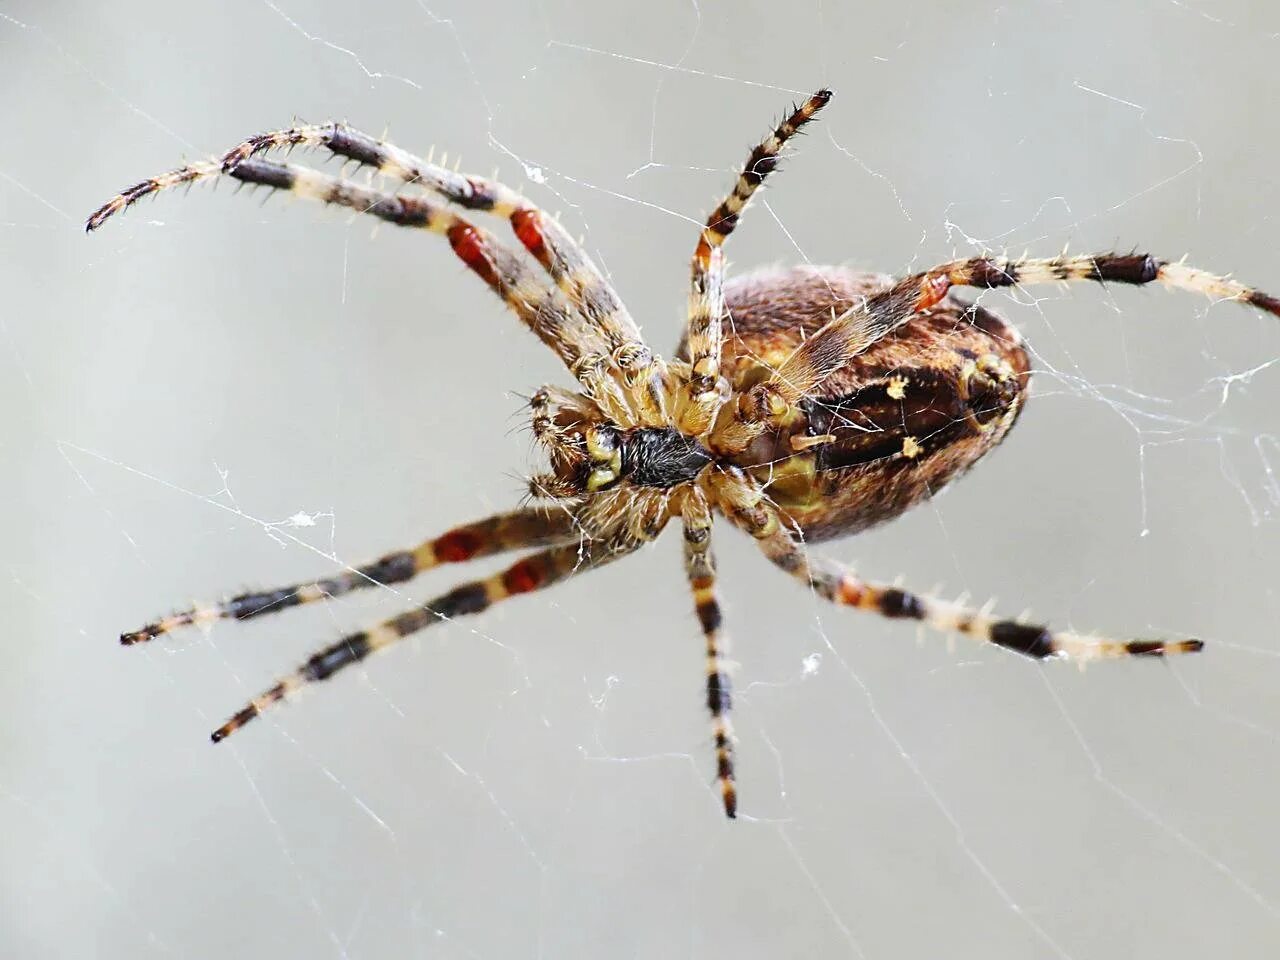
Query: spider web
x,y
211,394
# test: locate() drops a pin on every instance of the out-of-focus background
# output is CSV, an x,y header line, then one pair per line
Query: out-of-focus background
x,y
215,393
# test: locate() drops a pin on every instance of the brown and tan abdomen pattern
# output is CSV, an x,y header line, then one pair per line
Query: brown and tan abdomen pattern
x,y
904,418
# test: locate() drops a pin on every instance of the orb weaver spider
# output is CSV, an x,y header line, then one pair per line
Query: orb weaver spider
x,y
801,404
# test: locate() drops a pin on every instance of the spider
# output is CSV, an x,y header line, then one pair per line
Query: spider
x,y
801,404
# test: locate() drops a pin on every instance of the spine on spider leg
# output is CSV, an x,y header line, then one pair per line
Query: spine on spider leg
x,y
126,198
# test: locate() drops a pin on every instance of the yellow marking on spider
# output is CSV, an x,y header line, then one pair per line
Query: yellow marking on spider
x,y
707,367
897,388
911,448
424,556
381,636
704,595
200,613
309,593
279,692
1191,278
800,444
600,477
600,445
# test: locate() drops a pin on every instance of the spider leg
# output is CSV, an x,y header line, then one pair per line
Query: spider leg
x,y
1132,268
705,391
855,330
580,280
496,534
533,572
542,309
746,507
700,568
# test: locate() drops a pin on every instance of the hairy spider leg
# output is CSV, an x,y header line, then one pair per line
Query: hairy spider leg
x,y
700,568
561,256
745,506
533,572
597,304
542,309
888,310
704,392
849,334
534,527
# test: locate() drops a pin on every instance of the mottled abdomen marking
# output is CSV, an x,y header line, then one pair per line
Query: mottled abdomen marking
x,y
914,411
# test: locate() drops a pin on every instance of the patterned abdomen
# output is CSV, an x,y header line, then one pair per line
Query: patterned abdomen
x,y
907,415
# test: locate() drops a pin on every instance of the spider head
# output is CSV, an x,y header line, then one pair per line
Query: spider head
x,y
590,454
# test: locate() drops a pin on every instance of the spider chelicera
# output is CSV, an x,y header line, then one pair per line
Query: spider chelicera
x,y
802,404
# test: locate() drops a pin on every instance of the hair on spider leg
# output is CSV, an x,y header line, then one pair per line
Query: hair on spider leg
x,y
521,426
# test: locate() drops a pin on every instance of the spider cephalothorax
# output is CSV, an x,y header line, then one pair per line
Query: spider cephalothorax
x,y
589,454
801,404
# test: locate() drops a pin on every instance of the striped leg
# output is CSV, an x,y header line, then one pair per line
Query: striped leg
x,y
700,568
496,534
1132,268
837,583
705,392
598,306
542,309
534,572
832,346
848,335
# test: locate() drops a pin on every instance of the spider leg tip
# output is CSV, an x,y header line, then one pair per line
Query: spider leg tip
x,y
1161,648
729,797
227,729
241,718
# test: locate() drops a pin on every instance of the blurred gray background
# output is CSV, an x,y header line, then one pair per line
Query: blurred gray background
x,y
216,393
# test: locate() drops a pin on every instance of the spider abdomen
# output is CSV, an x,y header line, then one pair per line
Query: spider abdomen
x,y
895,424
